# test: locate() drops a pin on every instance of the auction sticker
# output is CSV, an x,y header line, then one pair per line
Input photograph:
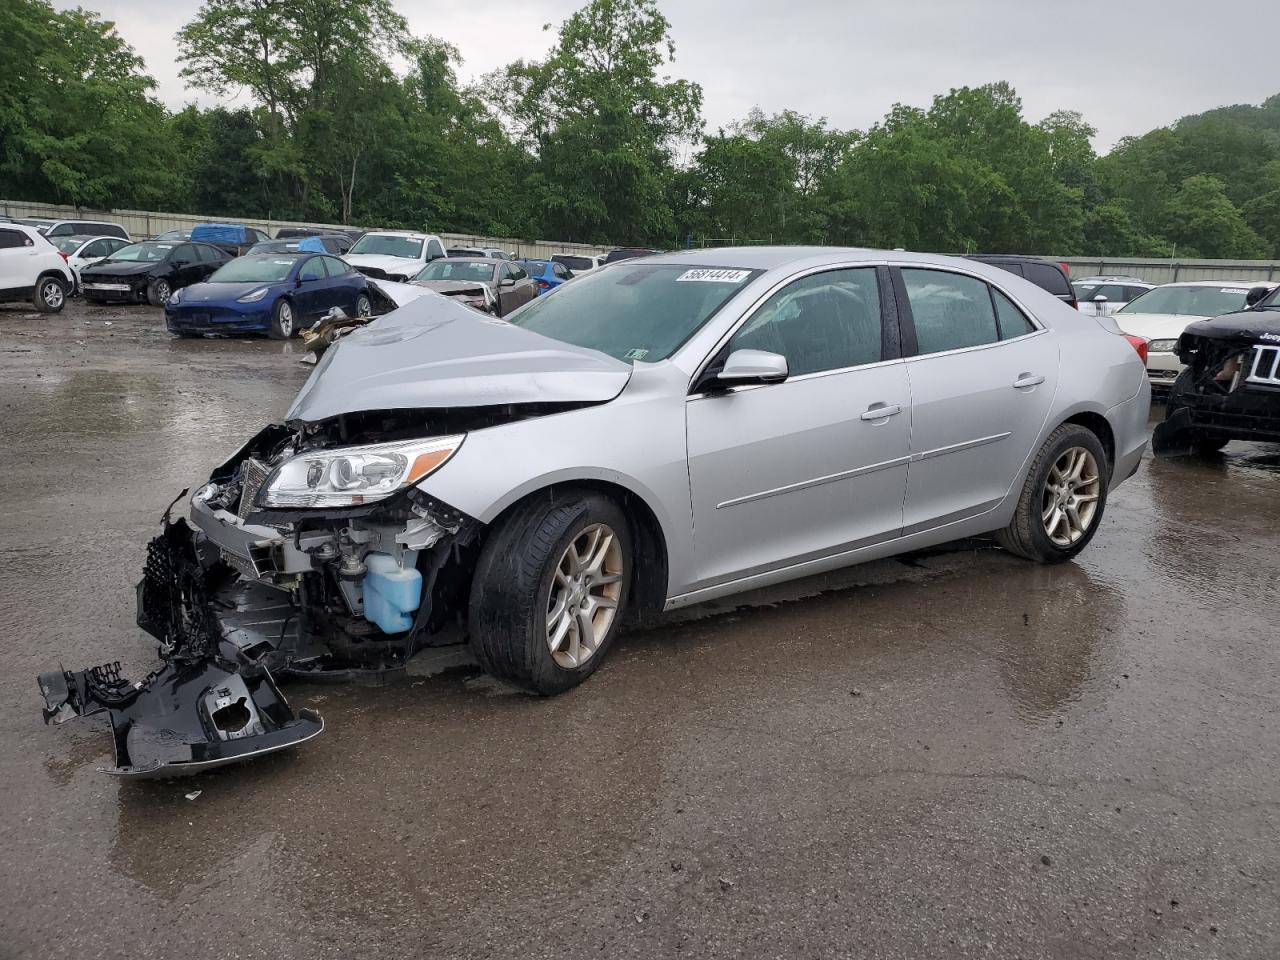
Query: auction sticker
x,y
713,276
1232,290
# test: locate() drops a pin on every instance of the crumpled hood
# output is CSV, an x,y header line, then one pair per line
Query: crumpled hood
x,y
121,268
439,353
1262,326
1154,326
476,287
405,265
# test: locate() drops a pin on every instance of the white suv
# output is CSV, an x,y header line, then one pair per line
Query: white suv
x,y
394,254
31,268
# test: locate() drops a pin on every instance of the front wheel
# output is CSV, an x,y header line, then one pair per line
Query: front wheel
x,y
1063,498
50,295
364,306
281,321
158,292
550,590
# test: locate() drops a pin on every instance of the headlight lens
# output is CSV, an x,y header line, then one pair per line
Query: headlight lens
x,y
350,476
253,296
175,297
1162,346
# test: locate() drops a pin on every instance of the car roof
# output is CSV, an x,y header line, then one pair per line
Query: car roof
x,y
400,233
1220,283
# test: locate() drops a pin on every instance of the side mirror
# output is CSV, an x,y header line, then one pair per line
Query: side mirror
x,y
752,366
1100,298
1256,295
508,282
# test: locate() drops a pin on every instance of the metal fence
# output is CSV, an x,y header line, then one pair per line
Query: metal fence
x,y
1172,271
149,223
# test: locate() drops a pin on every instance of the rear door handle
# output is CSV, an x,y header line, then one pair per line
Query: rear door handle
x,y
1027,380
882,411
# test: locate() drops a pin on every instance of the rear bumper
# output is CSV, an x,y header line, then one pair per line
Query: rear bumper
x,y
1129,429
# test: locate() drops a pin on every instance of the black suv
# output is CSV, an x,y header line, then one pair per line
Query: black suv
x,y
1045,274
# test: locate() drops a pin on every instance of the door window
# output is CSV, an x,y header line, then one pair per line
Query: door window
x,y
517,272
99,248
1013,322
826,321
185,252
335,267
951,311
313,269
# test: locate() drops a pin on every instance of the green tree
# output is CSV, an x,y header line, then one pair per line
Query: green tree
x,y
1203,222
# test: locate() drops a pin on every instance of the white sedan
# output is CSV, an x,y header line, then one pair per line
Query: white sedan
x,y
1159,316
82,251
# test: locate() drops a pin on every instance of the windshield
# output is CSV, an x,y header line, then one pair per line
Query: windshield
x,y
175,235
457,270
633,311
143,252
67,244
388,245
254,270
1190,301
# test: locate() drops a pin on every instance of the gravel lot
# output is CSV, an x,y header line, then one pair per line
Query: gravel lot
x,y
949,755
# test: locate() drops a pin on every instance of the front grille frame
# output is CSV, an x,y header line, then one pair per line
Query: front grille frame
x,y
1265,369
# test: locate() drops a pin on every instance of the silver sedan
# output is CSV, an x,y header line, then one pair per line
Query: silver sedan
x,y
660,432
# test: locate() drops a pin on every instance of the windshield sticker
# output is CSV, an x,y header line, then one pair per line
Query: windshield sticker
x,y
1232,290
713,276
636,354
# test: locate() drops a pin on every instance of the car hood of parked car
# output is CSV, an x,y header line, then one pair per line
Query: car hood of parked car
x,y
1261,325
1154,326
121,268
376,261
438,353
222,292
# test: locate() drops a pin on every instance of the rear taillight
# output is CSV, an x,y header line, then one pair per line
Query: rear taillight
x,y
1139,344
64,257
543,285
1066,268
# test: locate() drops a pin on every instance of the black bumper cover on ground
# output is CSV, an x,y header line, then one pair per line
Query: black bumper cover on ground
x,y
206,706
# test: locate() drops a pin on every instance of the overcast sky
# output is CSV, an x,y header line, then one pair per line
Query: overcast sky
x,y
1127,65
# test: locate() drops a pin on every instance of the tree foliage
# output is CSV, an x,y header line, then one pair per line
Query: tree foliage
x,y
351,118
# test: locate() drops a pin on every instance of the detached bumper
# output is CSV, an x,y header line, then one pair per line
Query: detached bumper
x,y
211,702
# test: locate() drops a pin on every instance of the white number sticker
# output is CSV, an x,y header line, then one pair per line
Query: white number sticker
x,y
705,275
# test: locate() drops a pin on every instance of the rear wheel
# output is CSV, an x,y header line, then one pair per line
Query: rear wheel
x,y
158,292
1062,499
550,590
50,295
281,321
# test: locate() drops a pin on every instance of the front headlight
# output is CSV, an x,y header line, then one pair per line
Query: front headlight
x,y
1162,346
175,297
351,476
254,296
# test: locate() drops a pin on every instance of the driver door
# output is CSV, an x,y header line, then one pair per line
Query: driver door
x,y
813,466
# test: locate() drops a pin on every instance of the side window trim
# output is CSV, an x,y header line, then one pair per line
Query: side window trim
x,y
910,347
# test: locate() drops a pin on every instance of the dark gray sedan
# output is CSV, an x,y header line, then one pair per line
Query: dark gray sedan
x,y
490,286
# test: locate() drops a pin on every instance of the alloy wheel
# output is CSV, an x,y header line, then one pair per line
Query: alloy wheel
x,y
162,291
285,314
1069,504
52,294
584,595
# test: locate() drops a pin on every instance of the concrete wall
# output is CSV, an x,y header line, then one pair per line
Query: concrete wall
x,y
143,224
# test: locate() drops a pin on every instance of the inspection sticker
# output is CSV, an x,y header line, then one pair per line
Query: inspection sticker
x,y
1232,290
713,276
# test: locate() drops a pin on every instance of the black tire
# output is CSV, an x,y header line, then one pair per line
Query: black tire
x,y
364,306
283,325
1209,446
511,589
159,291
1026,535
50,295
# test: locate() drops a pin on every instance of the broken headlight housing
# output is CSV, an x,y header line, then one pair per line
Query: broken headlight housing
x,y
351,476
1162,346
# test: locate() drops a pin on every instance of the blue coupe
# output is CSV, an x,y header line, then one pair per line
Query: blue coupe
x,y
275,294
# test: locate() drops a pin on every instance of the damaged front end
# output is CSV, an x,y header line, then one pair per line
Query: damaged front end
x,y
206,706
1230,388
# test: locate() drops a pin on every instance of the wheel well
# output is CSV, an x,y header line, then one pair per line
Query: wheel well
x,y
55,275
1097,424
649,582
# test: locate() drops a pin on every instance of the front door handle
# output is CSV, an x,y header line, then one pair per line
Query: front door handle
x,y
882,411
1027,380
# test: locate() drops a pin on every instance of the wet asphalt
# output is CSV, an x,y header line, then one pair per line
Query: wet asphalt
x,y
949,755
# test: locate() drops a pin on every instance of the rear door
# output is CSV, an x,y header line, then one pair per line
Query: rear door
x,y
983,376
816,465
341,287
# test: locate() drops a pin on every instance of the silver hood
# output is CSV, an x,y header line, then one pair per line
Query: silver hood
x,y
437,353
